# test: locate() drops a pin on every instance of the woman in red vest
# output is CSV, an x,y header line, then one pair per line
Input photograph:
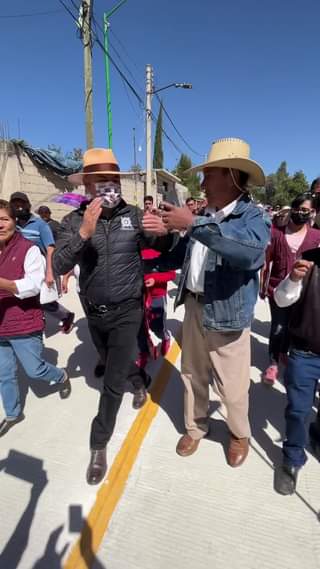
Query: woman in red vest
x,y
21,318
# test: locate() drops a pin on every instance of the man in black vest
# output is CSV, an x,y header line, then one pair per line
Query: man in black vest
x,y
300,289
105,240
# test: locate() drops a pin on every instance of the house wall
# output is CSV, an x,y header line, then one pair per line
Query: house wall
x,y
19,173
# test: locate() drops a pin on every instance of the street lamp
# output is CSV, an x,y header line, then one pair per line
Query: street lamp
x,y
150,90
176,85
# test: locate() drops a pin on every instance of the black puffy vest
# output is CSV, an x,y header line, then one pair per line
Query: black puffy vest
x,y
110,263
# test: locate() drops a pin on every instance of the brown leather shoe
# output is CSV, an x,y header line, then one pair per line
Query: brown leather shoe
x,y
139,398
238,451
187,445
97,466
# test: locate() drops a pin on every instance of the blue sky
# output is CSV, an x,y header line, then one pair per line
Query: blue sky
x,y
254,67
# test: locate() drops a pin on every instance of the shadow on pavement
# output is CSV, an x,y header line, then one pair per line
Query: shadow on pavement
x,y
174,326
29,469
82,361
78,524
51,557
261,327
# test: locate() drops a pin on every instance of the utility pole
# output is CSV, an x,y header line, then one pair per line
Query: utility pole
x,y
149,90
106,25
86,14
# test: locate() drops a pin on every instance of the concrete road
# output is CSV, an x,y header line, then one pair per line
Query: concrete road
x,y
155,510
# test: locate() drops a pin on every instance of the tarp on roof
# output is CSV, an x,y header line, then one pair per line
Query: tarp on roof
x,y
50,159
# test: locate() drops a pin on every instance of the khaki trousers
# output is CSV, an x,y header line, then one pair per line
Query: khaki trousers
x,y
223,357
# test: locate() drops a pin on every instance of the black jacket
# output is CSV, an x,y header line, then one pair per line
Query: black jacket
x,y
304,327
110,262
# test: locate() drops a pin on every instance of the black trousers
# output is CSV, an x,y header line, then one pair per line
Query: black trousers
x,y
279,337
115,337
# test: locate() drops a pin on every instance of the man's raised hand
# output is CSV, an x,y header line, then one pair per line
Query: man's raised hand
x,y
90,219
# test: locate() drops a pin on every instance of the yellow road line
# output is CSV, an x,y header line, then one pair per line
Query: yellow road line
x,y
84,550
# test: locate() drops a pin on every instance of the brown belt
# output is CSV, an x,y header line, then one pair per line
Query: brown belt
x,y
199,296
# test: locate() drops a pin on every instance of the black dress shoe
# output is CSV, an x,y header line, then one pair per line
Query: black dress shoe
x,y
97,466
314,436
286,479
99,369
139,398
7,424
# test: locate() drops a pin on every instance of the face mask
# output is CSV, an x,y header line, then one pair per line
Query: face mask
x,y
22,213
110,192
299,218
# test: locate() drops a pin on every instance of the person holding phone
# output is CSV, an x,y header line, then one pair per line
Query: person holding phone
x,y
286,246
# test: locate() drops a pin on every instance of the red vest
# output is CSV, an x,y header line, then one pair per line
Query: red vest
x,y
17,317
281,256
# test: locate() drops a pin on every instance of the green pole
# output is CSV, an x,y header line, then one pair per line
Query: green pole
x,y
107,67
106,48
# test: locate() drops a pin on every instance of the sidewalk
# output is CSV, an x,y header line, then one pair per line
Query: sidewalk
x,y
175,512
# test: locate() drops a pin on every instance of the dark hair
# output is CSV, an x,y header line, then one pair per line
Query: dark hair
x,y
147,199
315,183
190,199
43,209
298,201
8,208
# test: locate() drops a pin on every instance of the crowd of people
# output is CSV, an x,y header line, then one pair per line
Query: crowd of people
x,y
229,250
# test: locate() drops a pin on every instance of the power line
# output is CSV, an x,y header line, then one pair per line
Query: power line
x,y
13,16
97,24
122,75
175,128
124,49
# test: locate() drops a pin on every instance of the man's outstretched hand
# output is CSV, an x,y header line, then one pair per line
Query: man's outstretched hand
x,y
174,217
152,223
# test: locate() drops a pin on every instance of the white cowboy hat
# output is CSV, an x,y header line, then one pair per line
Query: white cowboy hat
x,y
233,153
97,161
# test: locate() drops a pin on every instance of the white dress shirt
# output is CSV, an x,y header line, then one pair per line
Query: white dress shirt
x,y
287,292
199,252
34,274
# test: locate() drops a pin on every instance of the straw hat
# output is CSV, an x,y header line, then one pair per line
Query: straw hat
x,y
97,161
233,153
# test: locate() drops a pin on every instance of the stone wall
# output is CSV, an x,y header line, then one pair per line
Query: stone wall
x,y
41,184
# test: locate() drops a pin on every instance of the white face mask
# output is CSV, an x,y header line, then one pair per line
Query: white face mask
x,y
110,192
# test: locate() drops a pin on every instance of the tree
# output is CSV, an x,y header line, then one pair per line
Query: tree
x,y
76,154
136,168
281,188
191,181
158,150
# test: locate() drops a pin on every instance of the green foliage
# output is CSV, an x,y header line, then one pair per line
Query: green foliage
x,y
158,150
76,154
136,168
191,181
281,188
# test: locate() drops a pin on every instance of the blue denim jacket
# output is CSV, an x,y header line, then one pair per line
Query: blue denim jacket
x,y
231,285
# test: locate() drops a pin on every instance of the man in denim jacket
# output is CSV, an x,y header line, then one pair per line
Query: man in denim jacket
x,y
220,255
